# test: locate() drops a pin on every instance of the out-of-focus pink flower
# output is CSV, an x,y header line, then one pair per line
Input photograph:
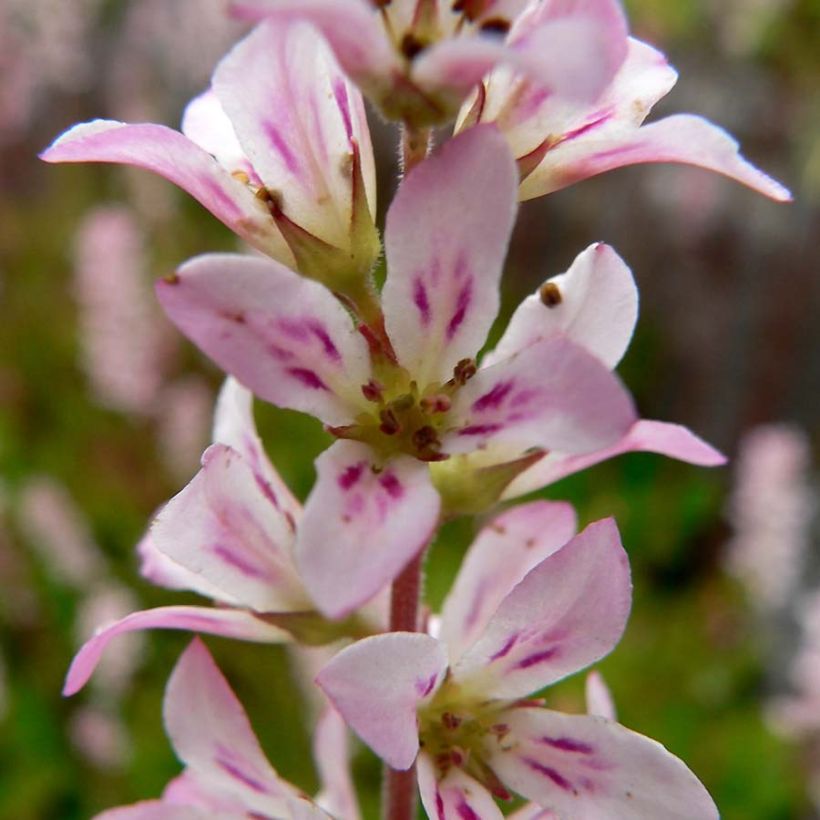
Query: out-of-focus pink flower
x,y
771,510
557,142
296,187
413,395
100,737
526,610
418,59
126,345
226,775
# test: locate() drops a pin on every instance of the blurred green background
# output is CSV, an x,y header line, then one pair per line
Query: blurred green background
x,y
727,340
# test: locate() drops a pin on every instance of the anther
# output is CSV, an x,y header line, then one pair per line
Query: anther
x,y
411,46
464,371
426,438
550,294
495,25
389,423
241,176
450,720
381,4
373,391
435,404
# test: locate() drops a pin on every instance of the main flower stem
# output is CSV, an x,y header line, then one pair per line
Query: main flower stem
x,y
400,786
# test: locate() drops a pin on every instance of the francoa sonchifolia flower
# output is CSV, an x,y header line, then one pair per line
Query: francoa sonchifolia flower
x,y
530,606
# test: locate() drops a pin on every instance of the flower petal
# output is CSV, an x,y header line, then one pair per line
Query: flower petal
x,y
159,810
660,437
598,697
554,395
211,734
587,768
503,553
378,682
595,303
441,295
567,613
332,755
456,796
351,28
171,155
362,523
229,623
682,138
299,121
223,526
284,337
234,426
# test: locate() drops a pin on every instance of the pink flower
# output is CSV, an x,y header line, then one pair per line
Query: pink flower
x,y
418,59
278,149
524,612
408,395
558,141
226,775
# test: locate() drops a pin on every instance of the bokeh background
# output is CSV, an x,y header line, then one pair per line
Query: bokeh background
x,y
104,410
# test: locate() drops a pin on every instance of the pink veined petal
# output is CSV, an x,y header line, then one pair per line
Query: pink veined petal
x,y
229,623
292,109
598,697
161,570
171,155
441,295
206,123
377,684
456,796
505,550
363,522
160,810
224,527
595,303
234,426
332,755
532,811
351,28
284,337
681,138
554,395
660,437
566,614
588,768
192,789
211,734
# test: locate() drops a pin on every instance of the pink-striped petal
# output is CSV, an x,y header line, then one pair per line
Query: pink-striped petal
x,y
160,810
586,767
229,623
456,796
441,295
171,155
567,613
192,788
212,735
660,437
377,684
235,427
351,28
598,697
284,337
363,521
595,303
681,138
505,550
224,527
331,752
554,395
299,121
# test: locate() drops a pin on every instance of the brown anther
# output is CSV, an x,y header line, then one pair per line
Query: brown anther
x,y
435,404
550,294
171,278
373,391
450,720
389,423
381,4
271,199
471,9
464,371
241,176
411,46
495,25
426,438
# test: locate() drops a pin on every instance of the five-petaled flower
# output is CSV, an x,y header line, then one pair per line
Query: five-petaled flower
x,y
226,775
526,610
418,59
411,394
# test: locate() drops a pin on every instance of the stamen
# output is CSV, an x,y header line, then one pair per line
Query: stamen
x,y
450,720
373,391
464,371
426,438
550,294
241,176
495,25
435,404
389,423
411,46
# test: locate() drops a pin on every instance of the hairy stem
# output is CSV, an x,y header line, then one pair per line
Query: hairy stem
x,y
400,787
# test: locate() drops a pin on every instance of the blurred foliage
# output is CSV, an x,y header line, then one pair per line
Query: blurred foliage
x,y
690,670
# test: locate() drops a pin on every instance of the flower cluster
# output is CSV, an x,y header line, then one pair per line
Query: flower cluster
x,y
541,94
